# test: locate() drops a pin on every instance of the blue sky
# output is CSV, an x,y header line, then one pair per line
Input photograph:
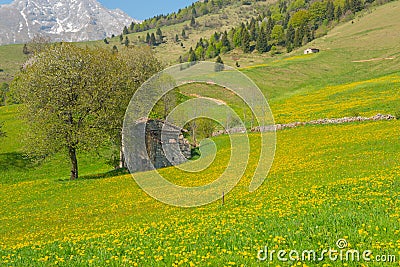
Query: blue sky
x,y
140,9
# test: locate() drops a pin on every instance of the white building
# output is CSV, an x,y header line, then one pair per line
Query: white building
x,y
311,50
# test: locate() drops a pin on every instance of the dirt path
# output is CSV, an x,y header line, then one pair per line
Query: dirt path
x,y
218,101
373,59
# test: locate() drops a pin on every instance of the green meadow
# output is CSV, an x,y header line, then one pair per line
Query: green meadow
x,y
327,182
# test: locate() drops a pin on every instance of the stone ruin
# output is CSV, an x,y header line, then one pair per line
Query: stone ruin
x,y
165,146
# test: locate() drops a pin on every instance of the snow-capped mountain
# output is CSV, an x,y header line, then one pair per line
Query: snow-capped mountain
x,y
61,20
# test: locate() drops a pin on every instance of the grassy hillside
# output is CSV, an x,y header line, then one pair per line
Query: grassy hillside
x,y
11,59
11,56
326,183
356,72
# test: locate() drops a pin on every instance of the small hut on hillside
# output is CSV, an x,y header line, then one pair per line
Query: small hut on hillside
x,y
165,146
311,51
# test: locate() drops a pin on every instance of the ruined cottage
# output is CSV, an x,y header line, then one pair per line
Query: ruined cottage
x,y
165,146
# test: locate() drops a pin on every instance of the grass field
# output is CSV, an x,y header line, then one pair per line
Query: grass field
x,y
327,182
346,188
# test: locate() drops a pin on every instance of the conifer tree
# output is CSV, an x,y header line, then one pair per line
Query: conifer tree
x,y
192,22
246,41
125,31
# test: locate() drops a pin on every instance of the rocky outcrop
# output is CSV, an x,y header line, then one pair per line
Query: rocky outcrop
x,y
61,20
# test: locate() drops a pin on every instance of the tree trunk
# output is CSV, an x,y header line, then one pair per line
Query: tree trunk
x,y
122,163
74,163
194,127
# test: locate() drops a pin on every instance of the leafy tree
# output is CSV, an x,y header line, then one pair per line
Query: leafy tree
x,y
300,18
277,34
297,38
69,117
199,52
317,12
211,51
80,110
237,37
36,45
168,101
138,65
205,127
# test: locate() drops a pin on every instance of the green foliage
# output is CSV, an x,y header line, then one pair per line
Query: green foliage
x,y
277,35
287,25
159,35
80,110
397,115
246,41
262,42
36,45
2,133
153,40
300,18
67,116
205,128
192,56
219,66
169,100
4,88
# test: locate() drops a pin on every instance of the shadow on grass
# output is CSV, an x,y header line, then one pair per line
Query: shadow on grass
x,y
109,174
16,162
